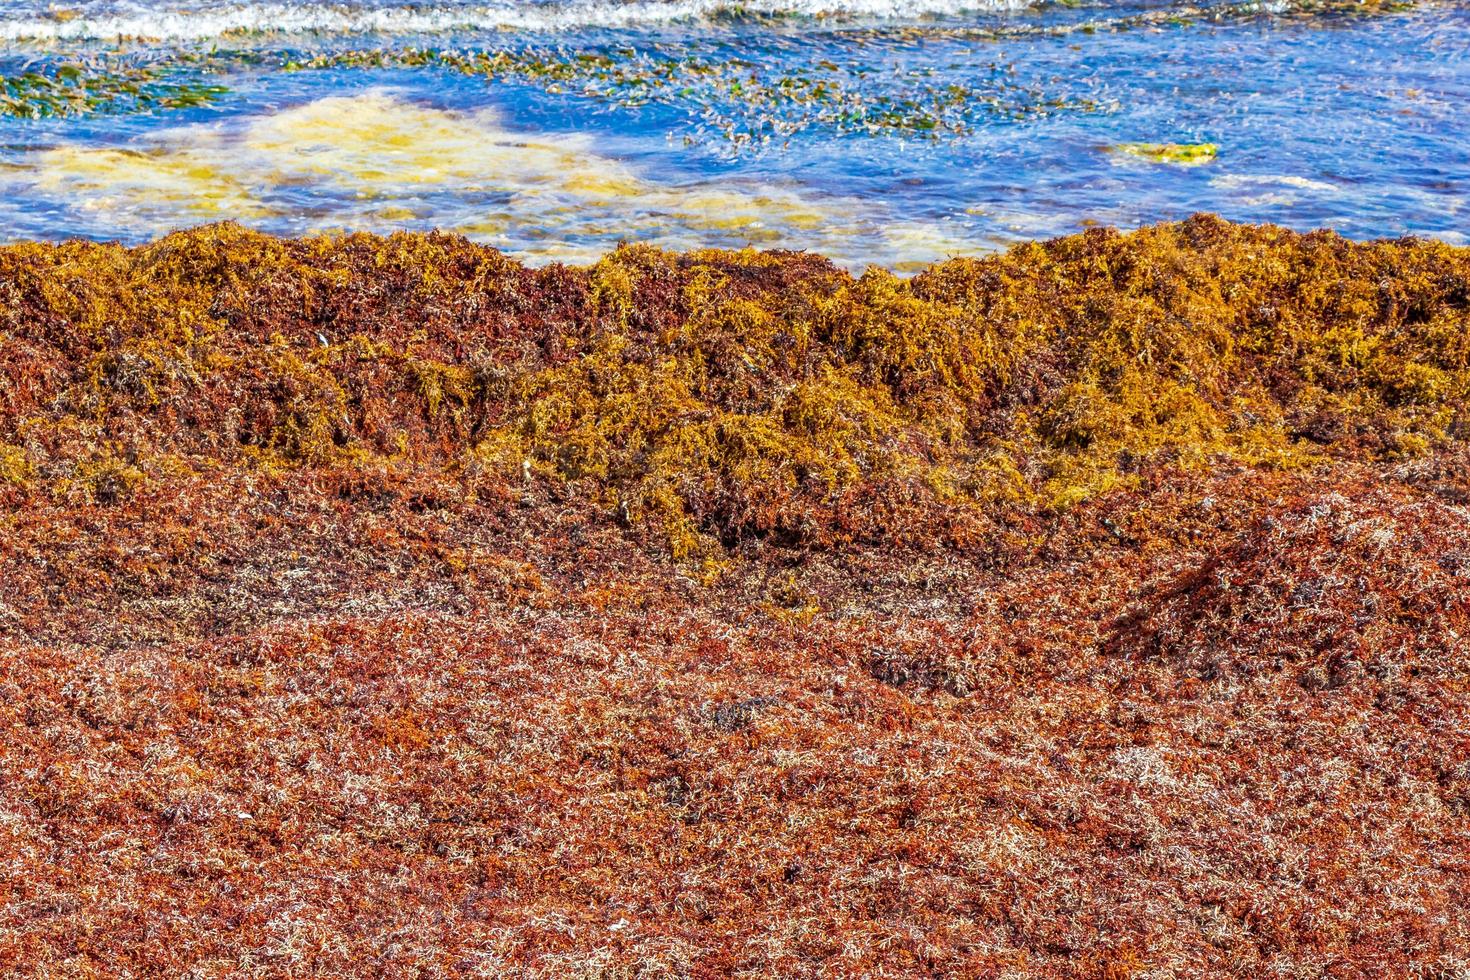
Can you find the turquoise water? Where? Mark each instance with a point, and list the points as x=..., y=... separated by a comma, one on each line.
x=875, y=131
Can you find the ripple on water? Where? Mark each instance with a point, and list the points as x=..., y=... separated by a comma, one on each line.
x=882, y=132
x=381, y=162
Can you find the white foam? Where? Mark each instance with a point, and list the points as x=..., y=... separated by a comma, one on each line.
x=1238, y=181
x=181, y=24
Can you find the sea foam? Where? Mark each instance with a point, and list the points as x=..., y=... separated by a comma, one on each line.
x=186, y=24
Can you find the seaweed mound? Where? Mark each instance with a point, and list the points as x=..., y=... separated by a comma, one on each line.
x=719, y=398
x=1100, y=608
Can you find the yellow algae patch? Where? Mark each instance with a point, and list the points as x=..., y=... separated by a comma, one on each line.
x=1186, y=154
x=375, y=161
x=15, y=468
x=382, y=145
x=185, y=184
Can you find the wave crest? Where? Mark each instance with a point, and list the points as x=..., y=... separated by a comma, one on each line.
x=292, y=18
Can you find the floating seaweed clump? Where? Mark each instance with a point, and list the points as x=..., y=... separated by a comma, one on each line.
x=1187, y=154
x=70, y=89
x=737, y=99
x=1097, y=608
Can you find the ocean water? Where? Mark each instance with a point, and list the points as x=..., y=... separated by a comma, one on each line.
x=875, y=131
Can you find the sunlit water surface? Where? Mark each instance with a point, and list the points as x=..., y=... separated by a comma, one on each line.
x=875, y=131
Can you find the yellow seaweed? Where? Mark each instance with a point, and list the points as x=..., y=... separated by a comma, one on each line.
x=1184, y=154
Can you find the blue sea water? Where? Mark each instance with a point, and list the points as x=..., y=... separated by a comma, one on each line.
x=876, y=131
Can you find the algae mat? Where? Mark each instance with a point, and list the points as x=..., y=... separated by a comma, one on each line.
x=384, y=605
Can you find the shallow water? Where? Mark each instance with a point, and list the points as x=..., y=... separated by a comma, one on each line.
x=875, y=131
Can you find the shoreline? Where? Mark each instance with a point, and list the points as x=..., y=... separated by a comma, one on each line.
x=592, y=256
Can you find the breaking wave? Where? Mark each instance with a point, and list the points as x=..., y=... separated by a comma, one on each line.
x=183, y=24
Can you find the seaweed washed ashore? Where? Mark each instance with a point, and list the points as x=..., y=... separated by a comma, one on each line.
x=1098, y=608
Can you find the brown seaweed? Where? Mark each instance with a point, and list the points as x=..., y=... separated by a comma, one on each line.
x=1098, y=608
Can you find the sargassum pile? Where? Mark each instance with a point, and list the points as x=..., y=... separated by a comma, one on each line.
x=383, y=607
